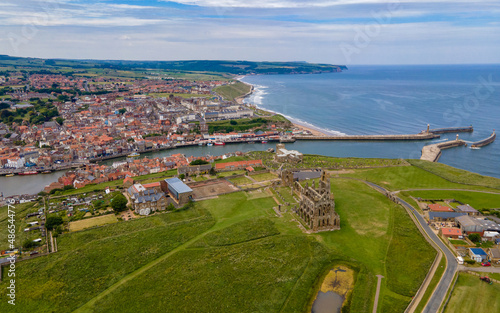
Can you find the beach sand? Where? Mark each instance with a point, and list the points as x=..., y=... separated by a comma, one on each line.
x=313, y=131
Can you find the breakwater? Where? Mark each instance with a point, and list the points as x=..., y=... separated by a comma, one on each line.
x=433, y=152
x=484, y=142
x=466, y=129
x=421, y=136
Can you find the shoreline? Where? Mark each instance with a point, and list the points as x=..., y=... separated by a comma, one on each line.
x=300, y=125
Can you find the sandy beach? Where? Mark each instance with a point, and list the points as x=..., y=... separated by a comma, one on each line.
x=313, y=131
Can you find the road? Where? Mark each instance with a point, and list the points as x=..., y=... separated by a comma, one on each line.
x=451, y=263
x=483, y=269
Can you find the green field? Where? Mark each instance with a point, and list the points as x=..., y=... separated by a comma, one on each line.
x=242, y=180
x=473, y=295
x=92, y=222
x=109, y=268
x=232, y=91
x=478, y=200
x=264, y=176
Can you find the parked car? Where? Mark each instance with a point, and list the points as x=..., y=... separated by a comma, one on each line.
x=486, y=264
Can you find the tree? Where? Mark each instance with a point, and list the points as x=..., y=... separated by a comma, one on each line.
x=199, y=162
x=53, y=221
x=122, y=111
x=60, y=120
x=233, y=122
x=119, y=203
x=212, y=171
x=475, y=237
x=182, y=176
x=28, y=244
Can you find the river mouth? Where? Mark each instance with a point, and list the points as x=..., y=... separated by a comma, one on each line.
x=336, y=287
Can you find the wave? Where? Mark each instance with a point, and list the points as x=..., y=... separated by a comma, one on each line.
x=257, y=99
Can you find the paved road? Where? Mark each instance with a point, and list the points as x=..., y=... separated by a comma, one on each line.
x=488, y=269
x=452, y=265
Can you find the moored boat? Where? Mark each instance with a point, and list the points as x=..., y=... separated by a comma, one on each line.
x=9, y=175
x=210, y=144
x=220, y=143
x=29, y=173
x=134, y=154
x=264, y=141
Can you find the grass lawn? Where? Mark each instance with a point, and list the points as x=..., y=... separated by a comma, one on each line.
x=92, y=222
x=264, y=176
x=406, y=177
x=459, y=242
x=477, y=200
x=230, y=254
x=457, y=175
x=242, y=180
x=473, y=295
x=232, y=91
x=230, y=173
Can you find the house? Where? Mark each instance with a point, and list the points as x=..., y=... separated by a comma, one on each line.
x=146, y=201
x=176, y=189
x=494, y=255
x=491, y=235
x=451, y=232
x=436, y=207
x=478, y=254
x=444, y=216
x=467, y=209
x=156, y=186
x=194, y=169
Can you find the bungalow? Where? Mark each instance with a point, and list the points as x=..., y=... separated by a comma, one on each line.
x=436, y=207
x=478, y=254
x=467, y=209
x=494, y=254
x=451, y=232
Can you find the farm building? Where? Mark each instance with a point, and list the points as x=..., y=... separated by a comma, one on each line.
x=478, y=254
x=467, y=209
x=469, y=224
x=179, y=191
x=444, y=216
x=451, y=232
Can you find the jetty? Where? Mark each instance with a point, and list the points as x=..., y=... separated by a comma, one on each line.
x=432, y=153
x=467, y=129
x=421, y=136
x=484, y=142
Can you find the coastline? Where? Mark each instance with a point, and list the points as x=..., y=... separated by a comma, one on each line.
x=297, y=124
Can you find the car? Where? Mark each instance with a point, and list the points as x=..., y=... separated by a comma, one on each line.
x=486, y=264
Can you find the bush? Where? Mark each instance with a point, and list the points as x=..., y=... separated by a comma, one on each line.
x=199, y=162
x=471, y=262
x=53, y=221
x=29, y=244
x=119, y=203
x=475, y=238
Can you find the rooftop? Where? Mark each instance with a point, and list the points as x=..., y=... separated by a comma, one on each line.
x=178, y=185
x=478, y=251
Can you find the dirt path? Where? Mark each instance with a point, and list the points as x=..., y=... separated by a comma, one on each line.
x=89, y=306
x=377, y=293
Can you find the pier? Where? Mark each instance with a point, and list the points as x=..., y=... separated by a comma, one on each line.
x=421, y=136
x=484, y=142
x=432, y=153
x=467, y=129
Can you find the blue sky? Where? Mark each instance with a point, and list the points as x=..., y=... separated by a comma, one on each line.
x=326, y=31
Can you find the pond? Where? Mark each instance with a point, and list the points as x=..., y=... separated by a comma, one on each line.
x=335, y=288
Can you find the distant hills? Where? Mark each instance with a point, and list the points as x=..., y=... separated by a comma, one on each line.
x=213, y=66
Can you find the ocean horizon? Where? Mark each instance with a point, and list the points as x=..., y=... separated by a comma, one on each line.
x=392, y=99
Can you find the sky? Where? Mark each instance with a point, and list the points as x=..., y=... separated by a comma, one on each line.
x=321, y=31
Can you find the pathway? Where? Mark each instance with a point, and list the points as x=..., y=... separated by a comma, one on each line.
x=377, y=293
x=88, y=307
x=439, y=293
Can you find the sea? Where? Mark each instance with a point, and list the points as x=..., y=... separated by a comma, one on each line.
x=365, y=100
x=378, y=100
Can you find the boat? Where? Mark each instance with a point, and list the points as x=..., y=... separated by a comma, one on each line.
x=264, y=141
x=220, y=143
x=200, y=144
x=46, y=172
x=29, y=173
x=475, y=148
x=134, y=154
x=210, y=144
x=251, y=142
x=9, y=175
